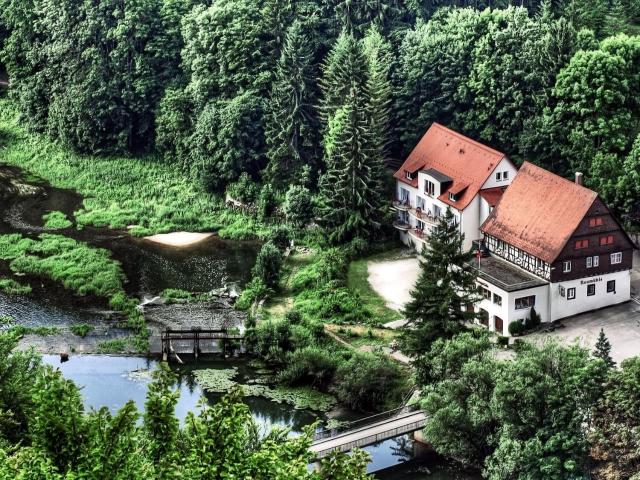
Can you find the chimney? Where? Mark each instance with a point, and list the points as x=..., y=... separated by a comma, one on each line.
x=579, y=178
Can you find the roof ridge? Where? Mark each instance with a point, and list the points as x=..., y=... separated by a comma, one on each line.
x=469, y=140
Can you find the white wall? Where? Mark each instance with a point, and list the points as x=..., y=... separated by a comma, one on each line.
x=470, y=222
x=507, y=311
x=563, y=307
x=504, y=165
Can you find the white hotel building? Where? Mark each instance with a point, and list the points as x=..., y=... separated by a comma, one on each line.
x=549, y=243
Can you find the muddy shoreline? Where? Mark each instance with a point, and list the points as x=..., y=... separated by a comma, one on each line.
x=149, y=268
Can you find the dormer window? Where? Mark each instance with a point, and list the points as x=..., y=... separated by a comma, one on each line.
x=429, y=188
x=498, y=176
x=452, y=197
x=505, y=175
x=408, y=175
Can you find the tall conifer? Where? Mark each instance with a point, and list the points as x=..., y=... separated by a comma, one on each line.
x=446, y=284
x=292, y=128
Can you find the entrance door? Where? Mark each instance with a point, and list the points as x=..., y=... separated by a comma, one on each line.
x=499, y=325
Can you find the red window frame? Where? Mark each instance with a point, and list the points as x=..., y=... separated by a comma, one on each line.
x=606, y=240
x=581, y=244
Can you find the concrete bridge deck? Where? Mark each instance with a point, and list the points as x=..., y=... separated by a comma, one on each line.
x=406, y=421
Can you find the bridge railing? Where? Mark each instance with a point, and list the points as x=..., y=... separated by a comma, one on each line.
x=363, y=422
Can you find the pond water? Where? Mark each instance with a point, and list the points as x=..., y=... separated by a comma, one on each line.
x=111, y=380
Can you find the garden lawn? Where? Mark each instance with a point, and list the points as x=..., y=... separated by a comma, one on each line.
x=147, y=194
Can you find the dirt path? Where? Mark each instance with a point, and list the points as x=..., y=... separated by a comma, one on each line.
x=393, y=280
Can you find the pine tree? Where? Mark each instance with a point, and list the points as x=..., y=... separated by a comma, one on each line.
x=445, y=285
x=351, y=188
x=292, y=128
x=603, y=350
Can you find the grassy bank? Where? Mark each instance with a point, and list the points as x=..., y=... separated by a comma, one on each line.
x=147, y=194
x=80, y=268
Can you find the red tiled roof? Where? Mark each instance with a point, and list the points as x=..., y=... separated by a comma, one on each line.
x=539, y=211
x=467, y=162
x=492, y=195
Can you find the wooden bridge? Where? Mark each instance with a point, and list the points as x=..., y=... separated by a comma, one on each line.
x=197, y=341
x=368, y=431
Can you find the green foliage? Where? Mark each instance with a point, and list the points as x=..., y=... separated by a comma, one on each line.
x=615, y=433
x=298, y=205
x=519, y=418
x=244, y=189
x=56, y=221
x=21, y=330
x=51, y=436
x=81, y=329
x=445, y=285
x=309, y=366
x=145, y=193
x=253, y=292
x=176, y=295
x=216, y=380
x=602, y=350
x=369, y=382
x=268, y=265
x=12, y=287
x=516, y=328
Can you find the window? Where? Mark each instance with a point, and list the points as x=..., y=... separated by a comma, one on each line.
x=407, y=175
x=593, y=261
x=497, y=299
x=571, y=293
x=419, y=203
x=606, y=240
x=483, y=316
x=437, y=211
x=566, y=266
x=420, y=225
x=429, y=188
x=452, y=197
x=498, y=176
x=611, y=286
x=616, y=258
x=486, y=294
x=581, y=244
x=591, y=290
x=505, y=175
x=595, y=221
x=561, y=290
x=525, y=302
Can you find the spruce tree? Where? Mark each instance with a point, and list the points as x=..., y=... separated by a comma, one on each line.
x=603, y=350
x=351, y=188
x=445, y=285
x=292, y=123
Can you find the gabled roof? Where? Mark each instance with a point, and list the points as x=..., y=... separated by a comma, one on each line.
x=463, y=160
x=539, y=212
x=492, y=195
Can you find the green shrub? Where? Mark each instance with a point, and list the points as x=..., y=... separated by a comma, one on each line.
x=329, y=265
x=56, y=221
x=175, y=295
x=516, y=328
x=244, y=190
x=534, y=319
x=253, y=291
x=281, y=237
x=332, y=305
x=81, y=329
x=267, y=202
x=298, y=205
x=369, y=382
x=309, y=366
x=268, y=265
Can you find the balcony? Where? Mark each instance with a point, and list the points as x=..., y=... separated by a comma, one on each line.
x=423, y=216
x=402, y=226
x=401, y=205
x=419, y=235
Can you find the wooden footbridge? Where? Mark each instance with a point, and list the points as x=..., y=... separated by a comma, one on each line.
x=368, y=431
x=197, y=341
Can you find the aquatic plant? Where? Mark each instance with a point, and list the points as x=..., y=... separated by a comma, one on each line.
x=216, y=380
x=11, y=287
x=301, y=398
x=56, y=221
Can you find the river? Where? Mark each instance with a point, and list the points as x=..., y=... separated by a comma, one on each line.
x=112, y=380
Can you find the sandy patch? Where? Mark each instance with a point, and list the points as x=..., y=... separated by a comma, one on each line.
x=179, y=239
x=393, y=280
